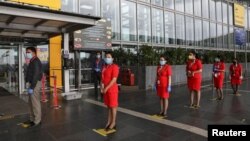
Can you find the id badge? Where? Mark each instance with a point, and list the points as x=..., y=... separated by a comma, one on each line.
x=158, y=82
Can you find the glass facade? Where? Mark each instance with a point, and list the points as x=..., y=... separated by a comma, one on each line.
x=177, y=23
x=88, y=7
x=144, y=23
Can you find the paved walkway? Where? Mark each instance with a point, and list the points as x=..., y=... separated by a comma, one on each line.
x=76, y=119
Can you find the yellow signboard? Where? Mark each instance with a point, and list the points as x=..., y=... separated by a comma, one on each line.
x=51, y=4
x=239, y=15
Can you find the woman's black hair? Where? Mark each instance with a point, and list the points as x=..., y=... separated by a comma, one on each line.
x=109, y=53
x=195, y=54
x=165, y=57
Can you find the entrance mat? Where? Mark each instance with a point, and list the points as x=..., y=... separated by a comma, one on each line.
x=103, y=132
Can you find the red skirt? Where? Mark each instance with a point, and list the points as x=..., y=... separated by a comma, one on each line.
x=194, y=84
x=218, y=82
x=111, y=99
x=162, y=92
x=236, y=81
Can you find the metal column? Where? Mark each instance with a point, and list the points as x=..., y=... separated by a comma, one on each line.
x=66, y=72
x=21, y=80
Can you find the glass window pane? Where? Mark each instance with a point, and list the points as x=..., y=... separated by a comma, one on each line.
x=144, y=23
x=189, y=6
x=180, y=30
x=189, y=31
x=169, y=4
x=110, y=10
x=157, y=2
x=197, y=8
x=219, y=36
x=88, y=7
x=230, y=14
x=148, y=1
x=225, y=36
x=225, y=17
x=218, y=11
x=128, y=21
x=212, y=10
x=245, y=17
x=206, y=33
x=249, y=17
x=69, y=5
x=212, y=34
x=198, y=32
x=205, y=13
x=157, y=26
x=169, y=28
x=231, y=37
x=179, y=5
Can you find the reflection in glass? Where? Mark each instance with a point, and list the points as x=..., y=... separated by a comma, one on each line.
x=206, y=33
x=249, y=17
x=128, y=21
x=231, y=37
x=225, y=37
x=212, y=10
x=230, y=14
x=189, y=6
x=197, y=8
x=189, y=31
x=110, y=10
x=169, y=28
x=148, y=1
x=157, y=26
x=169, y=4
x=224, y=12
x=198, y=32
x=179, y=5
x=218, y=11
x=219, y=36
x=157, y=2
x=212, y=34
x=69, y=5
x=144, y=23
x=180, y=29
x=88, y=7
x=205, y=12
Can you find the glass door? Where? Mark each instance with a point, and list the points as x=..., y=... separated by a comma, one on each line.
x=9, y=68
x=86, y=61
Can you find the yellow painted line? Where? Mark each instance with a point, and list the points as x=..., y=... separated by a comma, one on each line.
x=182, y=126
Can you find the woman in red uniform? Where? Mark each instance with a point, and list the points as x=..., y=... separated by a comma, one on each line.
x=235, y=75
x=193, y=71
x=163, y=84
x=109, y=89
x=218, y=76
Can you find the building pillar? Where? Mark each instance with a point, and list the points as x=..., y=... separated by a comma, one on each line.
x=66, y=71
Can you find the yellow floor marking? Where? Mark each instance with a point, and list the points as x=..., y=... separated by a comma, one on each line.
x=157, y=117
x=103, y=132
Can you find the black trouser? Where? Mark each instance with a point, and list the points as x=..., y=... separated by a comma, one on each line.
x=97, y=81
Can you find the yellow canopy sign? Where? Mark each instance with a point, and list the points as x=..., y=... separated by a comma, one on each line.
x=51, y=4
x=239, y=15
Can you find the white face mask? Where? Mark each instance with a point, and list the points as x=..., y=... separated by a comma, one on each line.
x=190, y=57
x=29, y=55
x=162, y=62
x=217, y=60
x=108, y=61
x=98, y=56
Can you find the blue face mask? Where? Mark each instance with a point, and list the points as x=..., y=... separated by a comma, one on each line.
x=162, y=63
x=108, y=61
x=29, y=55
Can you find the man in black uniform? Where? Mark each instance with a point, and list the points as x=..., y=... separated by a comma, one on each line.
x=97, y=70
x=33, y=81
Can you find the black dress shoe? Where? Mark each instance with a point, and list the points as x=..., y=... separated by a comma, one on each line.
x=35, y=125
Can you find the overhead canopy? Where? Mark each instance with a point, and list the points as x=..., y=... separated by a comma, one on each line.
x=35, y=22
